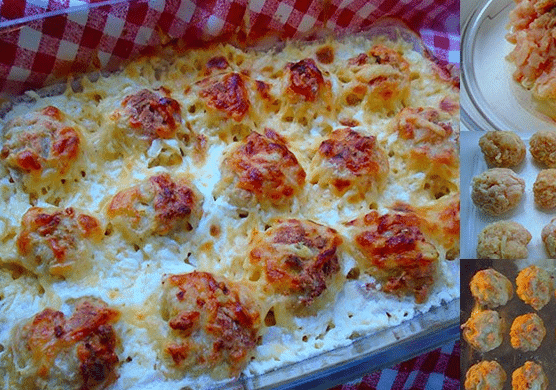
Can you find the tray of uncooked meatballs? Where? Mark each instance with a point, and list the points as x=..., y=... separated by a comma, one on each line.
x=508, y=327
x=508, y=195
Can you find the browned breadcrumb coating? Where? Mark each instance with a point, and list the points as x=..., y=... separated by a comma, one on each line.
x=159, y=205
x=542, y=146
x=485, y=375
x=349, y=160
x=497, y=190
x=548, y=236
x=483, y=330
x=544, y=189
x=502, y=149
x=298, y=258
x=261, y=167
x=503, y=240
x=529, y=376
x=215, y=325
x=53, y=351
x=490, y=288
x=527, y=332
x=534, y=286
x=55, y=240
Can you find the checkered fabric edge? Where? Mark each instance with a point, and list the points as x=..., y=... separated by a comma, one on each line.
x=438, y=369
x=42, y=41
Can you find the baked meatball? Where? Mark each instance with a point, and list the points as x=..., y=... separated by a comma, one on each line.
x=490, y=288
x=483, y=330
x=497, y=190
x=261, y=168
x=305, y=80
x=503, y=240
x=534, y=286
x=349, y=161
x=485, y=375
x=529, y=376
x=502, y=149
x=298, y=258
x=159, y=205
x=227, y=94
x=393, y=248
x=544, y=189
x=57, y=241
x=527, y=332
x=548, y=236
x=52, y=351
x=542, y=146
x=214, y=323
x=42, y=145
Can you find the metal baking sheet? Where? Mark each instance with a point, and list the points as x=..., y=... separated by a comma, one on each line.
x=509, y=358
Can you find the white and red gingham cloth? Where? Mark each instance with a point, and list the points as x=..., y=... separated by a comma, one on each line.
x=436, y=370
x=42, y=40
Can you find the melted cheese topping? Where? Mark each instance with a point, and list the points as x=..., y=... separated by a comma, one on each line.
x=195, y=164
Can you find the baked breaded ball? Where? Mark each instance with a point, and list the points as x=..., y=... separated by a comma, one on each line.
x=483, y=330
x=544, y=189
x=529, y=376
x=534, y=286
x=503, y=240
x=548, y=236
x=490, y=288
x=502, y=149
x=497, y=190
x=527, y=332
x=485, y=375
x=542, y=146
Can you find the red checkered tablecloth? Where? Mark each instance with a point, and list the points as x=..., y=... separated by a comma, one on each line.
x=436, y=370
x=41, y=41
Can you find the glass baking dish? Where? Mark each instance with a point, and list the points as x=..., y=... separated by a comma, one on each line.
x=384, y=348
x=490, y=98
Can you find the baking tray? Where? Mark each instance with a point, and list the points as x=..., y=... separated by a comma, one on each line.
x=527, y=214
x=490, y=98
x=424, y=332
x=509, y=358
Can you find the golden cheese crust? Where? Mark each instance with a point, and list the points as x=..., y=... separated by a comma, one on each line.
x=42, y=145
x=393, y=248
x=159, y=205
x=227, y=94
x=297, y=258
x=349, y=161
x=215, y=326
x=53, y=351
x=56, y=241
x=262, y=168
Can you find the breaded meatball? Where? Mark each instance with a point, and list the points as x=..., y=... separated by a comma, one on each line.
x=527, y=332
x=503, y=240
x=490, y=288
x=57, y=241
x=261, y=168
x=502, y=149
x=483, y=330
x=298, y=258
x=542, y=146
x=42, y=145
x=159, y=205
x=497, y=190
x=485, y=375
x=349, y=161
x=548, y=236
x=544, y=189
x=393, y=248
x=534, y=286
x=529, y=376
x=214, y=324
x=52, y=351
